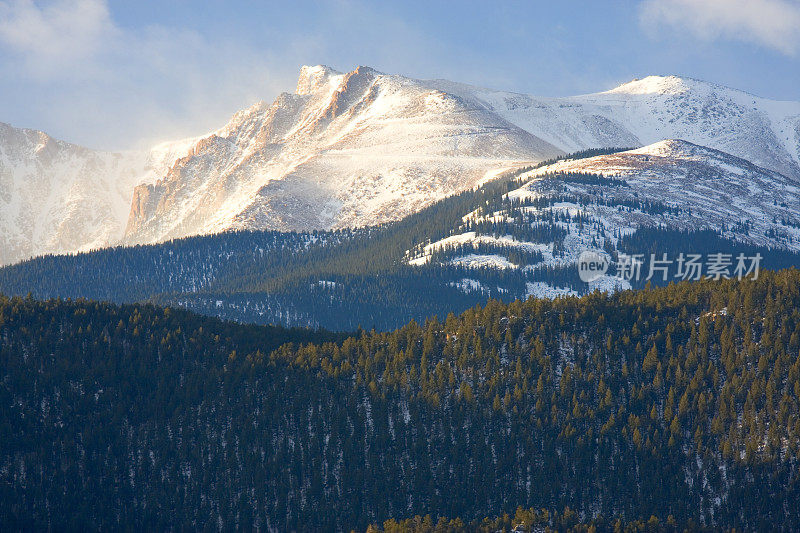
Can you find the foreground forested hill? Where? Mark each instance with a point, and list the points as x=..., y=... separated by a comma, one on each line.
x=678, y=402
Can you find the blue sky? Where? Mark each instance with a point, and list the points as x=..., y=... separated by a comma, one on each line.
x=120, y=74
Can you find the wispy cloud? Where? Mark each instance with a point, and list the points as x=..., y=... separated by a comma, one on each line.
x=771, y=23
x=53, y=40
x=121, y=86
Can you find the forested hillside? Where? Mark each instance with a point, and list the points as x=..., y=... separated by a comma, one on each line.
x=678, y=402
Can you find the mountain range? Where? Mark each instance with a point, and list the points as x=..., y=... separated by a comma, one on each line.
x=354, y=149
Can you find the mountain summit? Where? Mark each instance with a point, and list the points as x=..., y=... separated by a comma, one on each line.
x=648, y=110
x=344, y=150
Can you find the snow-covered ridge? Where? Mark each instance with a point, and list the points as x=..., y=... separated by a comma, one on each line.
x=673, y=184
x=344, y=150
x=642, y=112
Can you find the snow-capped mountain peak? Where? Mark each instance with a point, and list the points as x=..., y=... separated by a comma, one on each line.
x=344, y=150
x=654, y=108
x=356, y=148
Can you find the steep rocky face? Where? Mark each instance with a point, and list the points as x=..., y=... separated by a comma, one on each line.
x=345, y=150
